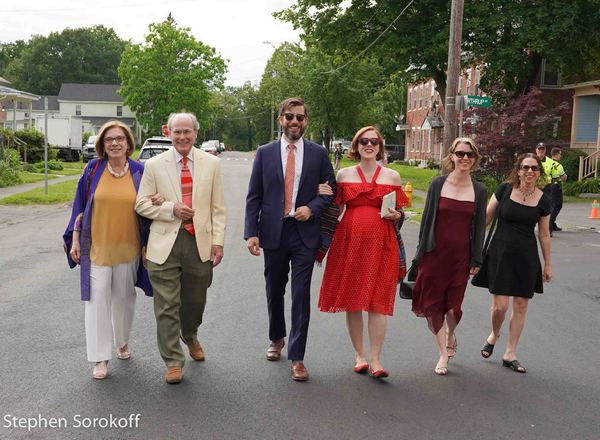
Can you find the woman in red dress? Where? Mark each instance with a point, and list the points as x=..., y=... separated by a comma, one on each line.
x=450, y=245
x=363, y=262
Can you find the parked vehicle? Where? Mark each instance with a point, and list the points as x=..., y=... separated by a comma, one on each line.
x=154, y=146
x=215, y=143
x=395, y=152
x=345, y=145
x=209, y=148
x=89, y=149
x=64, y=134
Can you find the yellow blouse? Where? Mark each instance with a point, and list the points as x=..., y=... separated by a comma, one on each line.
x=115, y=231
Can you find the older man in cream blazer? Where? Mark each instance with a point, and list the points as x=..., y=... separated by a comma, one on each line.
x=186, y=238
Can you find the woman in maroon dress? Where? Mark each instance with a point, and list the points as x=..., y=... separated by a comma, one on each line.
x=363, y=262
x=450, y=244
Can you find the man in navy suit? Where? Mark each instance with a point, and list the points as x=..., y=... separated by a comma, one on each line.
x=282, y=217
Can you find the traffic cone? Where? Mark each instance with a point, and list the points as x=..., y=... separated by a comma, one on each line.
x=594, y=214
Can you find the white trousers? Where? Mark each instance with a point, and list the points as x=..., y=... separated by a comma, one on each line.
x=109, y=312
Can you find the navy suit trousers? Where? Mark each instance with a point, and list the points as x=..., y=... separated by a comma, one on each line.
x=277, y=266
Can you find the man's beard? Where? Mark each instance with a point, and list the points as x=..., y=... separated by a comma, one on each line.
x=293, y=136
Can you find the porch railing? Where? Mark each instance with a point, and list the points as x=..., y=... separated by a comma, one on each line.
x=588, y=165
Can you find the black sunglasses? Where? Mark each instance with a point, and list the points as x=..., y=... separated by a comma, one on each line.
x=365, y=141
x=533, y=168
x=460, y=154
x=291, y=116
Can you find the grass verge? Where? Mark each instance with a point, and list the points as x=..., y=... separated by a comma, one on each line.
x=58, y=193
x=28, y=177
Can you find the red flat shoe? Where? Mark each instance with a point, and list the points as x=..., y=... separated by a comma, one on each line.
x=379, y=374
x=361, y=368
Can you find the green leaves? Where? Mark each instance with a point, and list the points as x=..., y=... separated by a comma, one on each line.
x=83, y=55
x=170, y=72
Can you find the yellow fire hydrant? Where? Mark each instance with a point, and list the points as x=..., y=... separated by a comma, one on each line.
x=408, y=190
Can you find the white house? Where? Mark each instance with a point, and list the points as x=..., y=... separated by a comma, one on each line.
x=94, y=104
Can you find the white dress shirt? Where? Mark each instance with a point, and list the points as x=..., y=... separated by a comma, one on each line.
x=298, y=156
x=179, y=161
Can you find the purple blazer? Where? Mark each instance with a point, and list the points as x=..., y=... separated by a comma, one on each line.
x=83, y=203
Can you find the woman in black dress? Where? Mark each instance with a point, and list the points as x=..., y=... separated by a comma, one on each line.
x=512, y=265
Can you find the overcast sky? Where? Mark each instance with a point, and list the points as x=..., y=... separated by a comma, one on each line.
x=235, y=28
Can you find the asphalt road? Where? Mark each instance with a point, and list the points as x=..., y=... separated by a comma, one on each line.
x=237, y=394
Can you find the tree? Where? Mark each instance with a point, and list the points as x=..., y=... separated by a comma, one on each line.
x=233, y=126
x=171, y=71
x=510, y=127
x=339, y=97
x=9, y=52
x=83, y=55
x=511, y=37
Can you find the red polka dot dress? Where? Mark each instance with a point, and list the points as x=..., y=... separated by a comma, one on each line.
x=362, y=266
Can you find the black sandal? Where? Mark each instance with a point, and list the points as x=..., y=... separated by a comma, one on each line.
x=487, y=350
x=514, y=365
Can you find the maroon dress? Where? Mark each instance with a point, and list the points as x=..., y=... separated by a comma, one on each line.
x=444, y=272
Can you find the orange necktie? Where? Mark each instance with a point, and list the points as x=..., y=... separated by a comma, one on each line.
x=186, y=193
x=290, y=174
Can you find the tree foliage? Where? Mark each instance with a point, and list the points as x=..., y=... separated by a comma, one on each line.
x=510, y=127
x=83, y=55
x=339, y=97
x=171, y=71
x=511, y=37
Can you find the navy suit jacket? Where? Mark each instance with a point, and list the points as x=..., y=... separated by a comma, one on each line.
x=264, y=203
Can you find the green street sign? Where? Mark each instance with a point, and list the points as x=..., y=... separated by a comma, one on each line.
x=479, y=101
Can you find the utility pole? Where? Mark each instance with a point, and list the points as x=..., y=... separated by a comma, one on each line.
x=456, y=21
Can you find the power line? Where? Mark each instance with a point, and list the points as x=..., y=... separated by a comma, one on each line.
x=242, y=117
x=373, y=42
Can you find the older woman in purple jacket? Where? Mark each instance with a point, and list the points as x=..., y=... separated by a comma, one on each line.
x=106, y=237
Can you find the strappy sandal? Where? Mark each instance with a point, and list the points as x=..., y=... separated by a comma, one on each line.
x=514, y=365
x=452, y=349
x=441, y=371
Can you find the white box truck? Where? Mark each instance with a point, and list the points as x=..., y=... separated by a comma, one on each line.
x=64, y=133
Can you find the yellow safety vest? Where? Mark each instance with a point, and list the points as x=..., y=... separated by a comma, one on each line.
x=547, y=164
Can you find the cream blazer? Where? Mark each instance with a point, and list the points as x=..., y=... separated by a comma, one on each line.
x=161, y=176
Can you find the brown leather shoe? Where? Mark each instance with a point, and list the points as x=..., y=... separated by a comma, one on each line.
x=274, y=350
x=299, y=372
x=196, y=351
x=174, y=375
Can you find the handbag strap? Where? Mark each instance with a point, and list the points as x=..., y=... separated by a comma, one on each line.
x=503, y=196
x=89, y=180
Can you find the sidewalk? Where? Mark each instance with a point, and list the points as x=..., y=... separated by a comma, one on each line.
x=9, y=191
x=574, y=216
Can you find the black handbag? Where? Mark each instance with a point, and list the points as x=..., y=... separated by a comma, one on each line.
x=407, y=285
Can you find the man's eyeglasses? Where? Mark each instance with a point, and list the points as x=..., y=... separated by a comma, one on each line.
x=291, y=116
x=185, y=132
x=533, y=168
x=365, y=141
x=109, y=140
x=462, y=154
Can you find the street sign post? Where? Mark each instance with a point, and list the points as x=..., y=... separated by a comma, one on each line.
x=479, y=101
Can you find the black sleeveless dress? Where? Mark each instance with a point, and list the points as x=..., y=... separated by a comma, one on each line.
x=512, y=263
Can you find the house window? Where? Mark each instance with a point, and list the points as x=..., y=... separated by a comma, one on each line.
x=550, y=75
x=421, y=96
x=429, y=141
x=415, y=92
x=588, y=111
x=78, y=110
x=460, y=82
x=408, y=101
x=119, y=110
x=469, y=74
